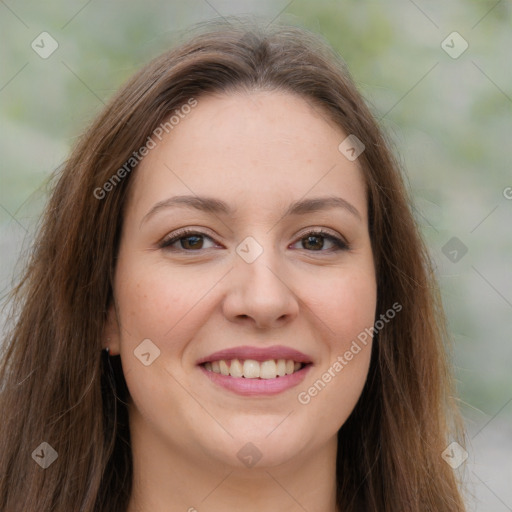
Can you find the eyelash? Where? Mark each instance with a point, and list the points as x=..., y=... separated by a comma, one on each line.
x=339, y=243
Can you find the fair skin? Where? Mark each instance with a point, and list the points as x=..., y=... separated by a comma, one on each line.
x=258, y=152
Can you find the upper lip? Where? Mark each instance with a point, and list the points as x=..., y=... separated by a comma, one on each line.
x=257, y=354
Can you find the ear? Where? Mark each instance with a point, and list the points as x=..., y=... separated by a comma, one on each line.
x=111, y=332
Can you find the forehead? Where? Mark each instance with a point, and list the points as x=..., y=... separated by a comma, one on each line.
x=252, y=149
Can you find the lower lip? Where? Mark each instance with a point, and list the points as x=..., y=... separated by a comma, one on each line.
x=257, y=387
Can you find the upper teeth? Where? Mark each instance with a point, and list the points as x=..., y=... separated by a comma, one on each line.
x=251, y=369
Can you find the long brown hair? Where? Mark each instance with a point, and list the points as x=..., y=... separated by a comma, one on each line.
x=56, y=385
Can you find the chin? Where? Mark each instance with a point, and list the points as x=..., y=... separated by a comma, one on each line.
x=265, y=447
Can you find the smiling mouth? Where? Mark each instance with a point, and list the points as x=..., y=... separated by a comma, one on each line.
x=252, y=369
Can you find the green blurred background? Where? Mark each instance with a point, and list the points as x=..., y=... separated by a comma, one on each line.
x=449, y=117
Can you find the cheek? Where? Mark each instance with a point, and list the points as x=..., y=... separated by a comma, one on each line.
x=153, y=300
x=154, y=305
x=329, y=396
x=346, y=305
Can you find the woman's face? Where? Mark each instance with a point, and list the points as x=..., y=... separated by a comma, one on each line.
x=255, y=290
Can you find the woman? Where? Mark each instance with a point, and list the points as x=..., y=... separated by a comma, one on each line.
x=235, y=235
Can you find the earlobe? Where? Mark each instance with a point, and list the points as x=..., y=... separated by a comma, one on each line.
x=111, y=332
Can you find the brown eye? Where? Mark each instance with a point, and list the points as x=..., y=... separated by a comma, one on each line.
x=190, y=241
x=315, y=241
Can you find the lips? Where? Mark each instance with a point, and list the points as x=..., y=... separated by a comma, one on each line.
x=256, y=371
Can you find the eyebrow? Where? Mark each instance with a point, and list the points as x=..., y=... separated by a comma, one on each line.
x=216, y=206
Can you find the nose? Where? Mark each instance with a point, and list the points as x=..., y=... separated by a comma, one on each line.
x=260, y=294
